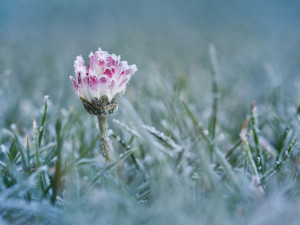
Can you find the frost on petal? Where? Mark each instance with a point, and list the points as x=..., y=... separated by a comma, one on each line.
x=113, y=60
x=86, y=87
x=85, y=81
x=123, y=83
x=106, y=75
x=123, y=75
x=79, y=62
x=93, y=82
x=100, y=57
x=90, y=67
x=79, y=68
x=126, y=70
x=133, y=69
x=93, y=86
x=123, y=65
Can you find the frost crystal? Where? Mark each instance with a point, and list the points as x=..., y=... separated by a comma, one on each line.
x=100, y=84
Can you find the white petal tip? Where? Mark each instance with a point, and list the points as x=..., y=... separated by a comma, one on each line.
x=91, y=54
x=134, y=68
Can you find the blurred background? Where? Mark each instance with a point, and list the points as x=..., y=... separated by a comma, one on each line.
x=257, y=44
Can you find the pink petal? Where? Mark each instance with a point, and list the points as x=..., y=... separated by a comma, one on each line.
x=114, y=74
x=79, y=77
x=100, y=57
x=112, y=60
x=113, y=70
x=79, y=68
x=112, y=84
x=93, y=82
x=101, y=63
x=91, y=62
x=78, y=62
x=75, y=85
x=86, y=81
x=123, y=83
x=108, y=72
x=124, y=74
x=103, y=79
x=128, y=72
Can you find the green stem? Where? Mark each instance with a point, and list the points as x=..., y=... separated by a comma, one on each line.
x=106, y=145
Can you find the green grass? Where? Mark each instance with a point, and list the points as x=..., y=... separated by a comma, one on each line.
x=177, y=172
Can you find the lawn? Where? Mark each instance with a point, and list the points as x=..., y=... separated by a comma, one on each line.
x=207, y=131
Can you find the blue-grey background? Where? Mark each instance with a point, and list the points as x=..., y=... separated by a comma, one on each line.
x=257, y=44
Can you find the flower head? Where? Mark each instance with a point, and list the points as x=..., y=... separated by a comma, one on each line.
x=100, y=84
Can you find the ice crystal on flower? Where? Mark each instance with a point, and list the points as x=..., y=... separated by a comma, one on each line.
x=100, y=84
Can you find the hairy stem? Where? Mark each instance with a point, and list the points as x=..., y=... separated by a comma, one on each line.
x=106, y=144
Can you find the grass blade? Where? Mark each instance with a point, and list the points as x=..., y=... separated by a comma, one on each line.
x=35, y=144
x=247, y=150
x=215, y=92
x=279, y=164
x=219, y=155
x=260, y=161
x=106, y=168
x=43, y=124
x=57, y=176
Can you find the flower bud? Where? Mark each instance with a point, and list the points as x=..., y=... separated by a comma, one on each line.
x=100, y=84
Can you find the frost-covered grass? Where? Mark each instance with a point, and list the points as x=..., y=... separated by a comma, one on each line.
x=202, y=135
